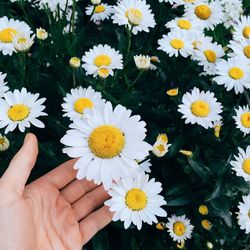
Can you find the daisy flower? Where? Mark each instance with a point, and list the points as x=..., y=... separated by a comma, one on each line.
x=175, y=43
x=207, y=14
x=136, y=14
x=233, y=74
x=136, y=200
x=243, y=214
x=217, y=128
x=3, y=87
x=200, y=107
x=4, y=143
x=23, y=41
x=79, y=99
x=20, y=109
x=199, y=39
x=242, y=119
x=142, y=62
x=101, y=61
x=179, y=228
x=208, y=55
x=241, y=165
x=242, y=29
x=9, y=28
x=100, y=12
x=108, y=143
x=240, y=49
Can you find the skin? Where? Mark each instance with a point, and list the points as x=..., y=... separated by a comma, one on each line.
x=55, y=212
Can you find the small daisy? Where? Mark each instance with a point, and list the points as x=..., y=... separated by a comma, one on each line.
x=8, y=29
x=179, y=228
x=134, y=13
x=102, y=60
x=108, y=143
x=208, y=55
x=23, y=41
x=99, y=12
x=240, y=49
x=79, y=99
x=200, y=107
x=176, y=43
x=3, y=87
x=142, y=62
x=136, y=200
x=233, y=74
x=242, y=29
x=241, y=165
x=20, y=109
x=207, y=14
x=4, y=143
x=244, y=214
x=217, y=128
x=242, y=119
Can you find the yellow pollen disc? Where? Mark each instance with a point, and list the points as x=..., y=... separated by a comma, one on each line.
x=160, y=148
x=177, y=44
x=245, y=119
x=200, y=108
x=136, y=199
x=99, y=9
x=6, y=35
x=203, y=11
x=184, y=24
x=203, y=210
x=246, y=166
x=163, y=138
x=134, y=15
x=81, y=104
x=103, y=72
x=249, y=213
x=173, y=92
x=106, y=141
x=236, y=73
x=2, y=141
x=22, y=40
x=102, y=60
x=210, y=55
x=246, y=51
x=206, y=224
x=246, y=32
x=18, y=112
x=179, y=228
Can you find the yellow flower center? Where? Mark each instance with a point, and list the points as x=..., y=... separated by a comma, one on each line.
x=103, y=72
x=246, y=166
x=106, y=141
x=2, y=141
x=163, y=138
x=136, y=199
x=177, y=44
x=245, y=119
x=179, y=228
x=100, y=8
x=6, y=35
x=200, y=108
x=236, y=73
x=203, y=11
x=134, y=16
x=206, y=224
x=160, y=148
x=22, y=40
x=246, y=32
x=246, y=51
x=184, y=24
x=203, y=210
x=81, y=104
x=102, y=60
x=249, y=213
x=173, y=92
x=18, y=112
x=210, y=55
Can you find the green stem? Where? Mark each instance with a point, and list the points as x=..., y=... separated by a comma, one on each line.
x=22, y=59
x=72, y=22
x=136, y=80
x=129, y=32
x=74, y=78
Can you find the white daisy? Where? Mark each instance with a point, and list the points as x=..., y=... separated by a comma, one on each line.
x=200, y=107
x=242, y=29
x=240, y=49
x=9, y=28
x=175, y=43
x=207, y=14
x=4, y=143
x=79, y=99
x=99, y=12
x=20, y=109
x=3, y=87
x=53, y=5
x=102, y=60
x=136, y=200
x=142, y=62
x=179, y=228
x=244, y=214
x=233, y=74
x=23, y=41
x=134, y=13
x=207, y=55
x=108, y=143
x=241, y=165
x=198, y=39
x=242, y=119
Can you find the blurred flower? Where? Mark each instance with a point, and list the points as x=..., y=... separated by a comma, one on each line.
x=210, y=245
x=203, y=209
x=75, y=62
x=180, y=245
x=244, y=214
x=142, y=62
x=242, y=29
x=206, y=224
x=173, y=92
x=96, y=2
x=186, y=153
x=162, y=138
x=20, y=109
x=161, y=226
x=200, y=107
x=102, y=60
x=4, y=143
x=217, y=128
x=242, y=119
x=23, y=41
x=161, y=146
x=41, y=34
x=108, y=142
x=179, y=228
x=99, y=12
x=136, y=200
x=3, y=87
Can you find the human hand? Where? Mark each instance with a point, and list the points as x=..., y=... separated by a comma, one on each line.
x=55, y=212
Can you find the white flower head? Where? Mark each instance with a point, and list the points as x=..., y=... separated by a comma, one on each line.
x=242, y=119
x=244, y=214
x=99, y=12
x=240, y=49
x=242, y=29
x=3, y=87
x=142, y=62
x=4, y=143
x=23, y=41
x=41, y=34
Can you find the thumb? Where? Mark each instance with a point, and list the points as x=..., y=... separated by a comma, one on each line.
x=21, y=165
